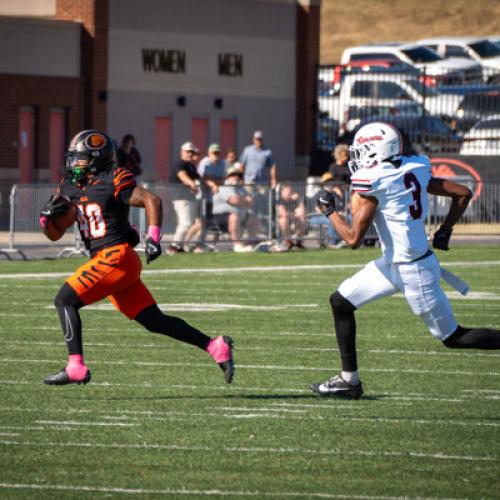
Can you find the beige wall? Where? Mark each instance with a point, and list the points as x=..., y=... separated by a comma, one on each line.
x=39, y=47
x=45, y=8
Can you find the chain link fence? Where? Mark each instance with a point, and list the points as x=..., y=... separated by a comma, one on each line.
x=453, y=113
x=261, y=218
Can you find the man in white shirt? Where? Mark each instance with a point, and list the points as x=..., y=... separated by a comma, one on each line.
x=391, y=191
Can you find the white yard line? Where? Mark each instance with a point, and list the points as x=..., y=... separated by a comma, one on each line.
x=248, y=412
x=260, y=367
x=238, y=449
x=74, y=422
x=224, y=270
x=213, y=492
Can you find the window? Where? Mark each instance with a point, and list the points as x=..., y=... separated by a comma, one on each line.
x=374, y=55
x=391, y=90
x=456, y=51
x=485, y=49
x=421, y=55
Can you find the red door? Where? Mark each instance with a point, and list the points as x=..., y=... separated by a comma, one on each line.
x=228, y=135
x=57, y=140
x=199, y=134
x=26, y=144
x=163, y=142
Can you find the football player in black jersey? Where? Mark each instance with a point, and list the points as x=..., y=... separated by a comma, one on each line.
x=103, y=193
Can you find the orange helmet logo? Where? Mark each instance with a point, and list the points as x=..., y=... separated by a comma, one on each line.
x=95, y=141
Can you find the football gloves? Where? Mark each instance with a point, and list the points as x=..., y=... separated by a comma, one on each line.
x=153, y=250
x=441, y=239
x=325, y=201
x=57, y=205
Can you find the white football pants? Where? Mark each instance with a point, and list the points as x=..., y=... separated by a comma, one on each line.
x=419, y=281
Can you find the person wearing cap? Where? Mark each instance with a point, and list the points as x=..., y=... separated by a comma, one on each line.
x=232, y=209
x=186, y=180
x=212, y=170
x=258, y=164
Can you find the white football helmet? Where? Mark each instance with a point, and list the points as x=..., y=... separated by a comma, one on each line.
x=373, y=144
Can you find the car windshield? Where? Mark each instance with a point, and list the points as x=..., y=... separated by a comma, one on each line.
x=485, y=49
x=421, y=55
x=421, y=88
x=487, y=124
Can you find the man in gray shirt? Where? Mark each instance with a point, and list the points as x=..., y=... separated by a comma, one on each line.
x=258, y=163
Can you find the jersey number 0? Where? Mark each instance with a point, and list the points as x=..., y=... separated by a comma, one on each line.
x=412, y=182
x=91, y=221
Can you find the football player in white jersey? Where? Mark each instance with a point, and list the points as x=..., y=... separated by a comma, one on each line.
x=392, y=192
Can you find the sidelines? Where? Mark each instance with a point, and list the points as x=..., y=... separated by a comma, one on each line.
x=260, y=367
x=236, y=449
x=223, y=270
x=140, y=491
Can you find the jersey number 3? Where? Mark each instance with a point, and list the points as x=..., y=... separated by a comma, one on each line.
x=91, y=221
x=412, y=182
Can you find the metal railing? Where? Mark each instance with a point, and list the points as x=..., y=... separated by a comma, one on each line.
x=286, y=215
x=458, y=112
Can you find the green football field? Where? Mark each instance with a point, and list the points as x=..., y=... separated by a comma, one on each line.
x=157, y=419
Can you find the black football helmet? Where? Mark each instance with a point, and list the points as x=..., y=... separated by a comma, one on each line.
x=96, y=148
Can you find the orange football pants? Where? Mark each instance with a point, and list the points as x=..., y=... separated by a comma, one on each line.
x=114, y=272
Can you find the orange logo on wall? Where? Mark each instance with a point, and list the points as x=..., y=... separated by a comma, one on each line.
x=450, y=167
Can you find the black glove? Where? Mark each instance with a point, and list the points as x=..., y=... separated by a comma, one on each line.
x=57, y=205
x=441, y=239
x=325, y=201
x=153, y=250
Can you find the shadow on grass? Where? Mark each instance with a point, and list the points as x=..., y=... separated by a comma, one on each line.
x=255, y=397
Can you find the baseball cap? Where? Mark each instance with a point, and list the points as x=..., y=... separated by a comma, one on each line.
x=258, y=134
x=188, y=146
x=236, y=170
x=326, y=177
x=214, y=148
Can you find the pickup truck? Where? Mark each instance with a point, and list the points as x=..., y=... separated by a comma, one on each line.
x=387, y=90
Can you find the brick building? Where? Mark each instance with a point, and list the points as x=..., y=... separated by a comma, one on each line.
x=164, y=70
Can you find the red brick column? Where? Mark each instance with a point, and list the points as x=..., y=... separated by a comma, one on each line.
x=307, y=59
x=93, y=15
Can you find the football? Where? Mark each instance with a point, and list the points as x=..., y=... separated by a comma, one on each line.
x=65, y=221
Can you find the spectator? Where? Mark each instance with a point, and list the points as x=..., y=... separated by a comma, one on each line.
x=231, y=206
x=128, y=156
x=291, y=218
x=329, y=183
x=339, y=168
x=231, y=160
x=187, y=179
x=258, y=164
x=212, y=171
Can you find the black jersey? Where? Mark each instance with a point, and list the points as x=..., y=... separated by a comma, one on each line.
x=103, y=208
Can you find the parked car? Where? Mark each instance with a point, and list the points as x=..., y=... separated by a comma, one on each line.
x=331, y=77
x=483, y=138
x=448, y=71
x=477, y=106
x=480, y=50
x=387, y=90
x=427, y=134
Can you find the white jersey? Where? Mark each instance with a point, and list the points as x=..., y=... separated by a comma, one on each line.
x=403, y=205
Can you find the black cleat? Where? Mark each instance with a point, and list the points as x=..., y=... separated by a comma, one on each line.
x=62, y=378
x=228, y=366
x=338, y=387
